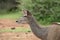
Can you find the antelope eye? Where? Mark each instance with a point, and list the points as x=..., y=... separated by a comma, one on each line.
x=16, y=21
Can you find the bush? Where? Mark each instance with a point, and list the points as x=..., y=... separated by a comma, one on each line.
x=45, y=11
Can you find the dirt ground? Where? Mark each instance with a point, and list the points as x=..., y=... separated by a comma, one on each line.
x=9, y=23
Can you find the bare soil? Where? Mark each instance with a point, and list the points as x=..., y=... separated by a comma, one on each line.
x=9, y=23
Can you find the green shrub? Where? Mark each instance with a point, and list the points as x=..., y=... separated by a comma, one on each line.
x=45, y=11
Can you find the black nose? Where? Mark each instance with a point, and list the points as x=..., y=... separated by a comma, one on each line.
x=16, y=21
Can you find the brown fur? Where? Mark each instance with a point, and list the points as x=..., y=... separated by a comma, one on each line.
x=53, y=33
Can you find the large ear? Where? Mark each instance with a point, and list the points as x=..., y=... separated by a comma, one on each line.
x=26, y=13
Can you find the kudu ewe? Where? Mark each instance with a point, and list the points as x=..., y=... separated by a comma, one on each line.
x=44, y=33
